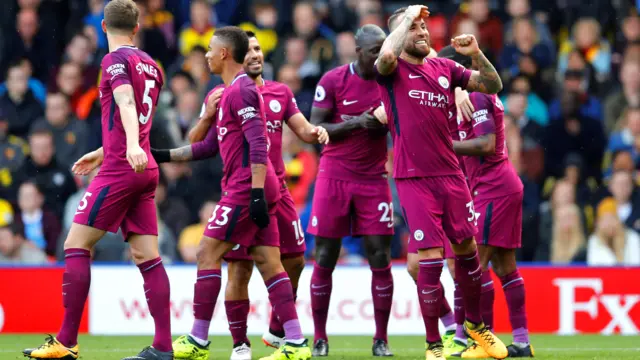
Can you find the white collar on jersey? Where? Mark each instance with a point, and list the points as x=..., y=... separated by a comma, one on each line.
x=238, y=77
x=352, y=69
x=126, y=46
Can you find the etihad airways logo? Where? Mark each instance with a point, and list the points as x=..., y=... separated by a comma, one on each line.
x=430, y=99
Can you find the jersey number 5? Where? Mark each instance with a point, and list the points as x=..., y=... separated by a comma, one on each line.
x=146, y=100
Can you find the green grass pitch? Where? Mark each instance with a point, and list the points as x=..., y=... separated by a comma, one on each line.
x=343, y=347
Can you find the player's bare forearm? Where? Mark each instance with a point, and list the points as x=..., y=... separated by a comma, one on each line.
x=302, y=128
x=322, y=117
x=392, y=48
x=484, y=145
x=199, y=131
x=258, y=175
x=124, y=98
x=181, y=154
x=485, y=79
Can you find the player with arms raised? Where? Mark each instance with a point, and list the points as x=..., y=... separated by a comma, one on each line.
x=245, y=214
x=281, y=108
x=497, y=196
x=122, y=194
x=417, y=94
x=352, y=195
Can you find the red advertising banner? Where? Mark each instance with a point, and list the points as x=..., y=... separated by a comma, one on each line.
x=31, y=301
x=571, y=300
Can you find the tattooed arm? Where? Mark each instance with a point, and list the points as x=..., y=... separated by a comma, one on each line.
x=393, y=45
x=486, y=79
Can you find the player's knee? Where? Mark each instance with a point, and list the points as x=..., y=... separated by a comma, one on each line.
x=207, y=256
x=327, y=253
x=294, y=266
x=412, y=269
x=240, y=274
x=467, y=246
x=379, y=258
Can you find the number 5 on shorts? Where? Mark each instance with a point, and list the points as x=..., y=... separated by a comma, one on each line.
x=84, y=202
x=473, y=215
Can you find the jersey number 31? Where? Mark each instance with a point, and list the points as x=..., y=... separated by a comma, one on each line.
x=146, y=100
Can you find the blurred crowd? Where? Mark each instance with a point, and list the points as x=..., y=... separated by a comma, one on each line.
x=571, y=71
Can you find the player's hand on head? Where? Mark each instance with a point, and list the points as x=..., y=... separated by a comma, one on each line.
x=137, y=158
x=258, y=208
x=87, y=163
x=464, y=105
x=465, y=44
x=322, y=135
x=414, y=12
x=381, y=115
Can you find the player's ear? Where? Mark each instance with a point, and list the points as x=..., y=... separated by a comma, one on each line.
x=104, y=26
x=135, y=29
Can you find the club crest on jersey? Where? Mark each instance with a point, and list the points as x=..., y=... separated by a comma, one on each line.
x=314, y=221
x=418, y=235
x=444, y=82
x=320, y=93
x=222, y=131
x=275, y=106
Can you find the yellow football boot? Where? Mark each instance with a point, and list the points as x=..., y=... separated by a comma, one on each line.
x=474, y=351
x=52, y=349
x=290, y=351
x=494, y=347
x=435, y=351
x=185, y=348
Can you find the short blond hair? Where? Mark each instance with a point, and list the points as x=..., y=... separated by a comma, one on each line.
x=121, y=15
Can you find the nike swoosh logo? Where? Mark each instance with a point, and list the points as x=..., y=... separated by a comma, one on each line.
x=319, y=286
x=474, y=271
x=383, y=288
x=73, y=352
x=345, y=102
x=213, y=227
x=301, y=241
x=390, y=225
x=429, y=292
x=411, y=76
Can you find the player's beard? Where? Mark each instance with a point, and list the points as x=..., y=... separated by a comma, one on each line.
x=416, y=52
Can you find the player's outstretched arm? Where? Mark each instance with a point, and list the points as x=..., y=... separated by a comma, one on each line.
x=200, y=150
x=394, y=43
x=485, y=79
x=484, y=145
x=307, y=132
x=123, y=95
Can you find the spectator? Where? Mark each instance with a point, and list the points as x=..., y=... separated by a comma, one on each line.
x=69, y=134
x=526, y=55
x=200, y=30
x=289, y=76
x=191, y=235
x=265, y=20
x=180, y=82
x=20, y=105
x=152, y=40
x=196, y=65
x=346, y=48
x=522, y=9
x=69, y=82
x=532, y=132
x=15, y=249
x=159, y=18
x=576, y=79
x=628, y=95
x=94, y=20
x=296, y=55
x=184, y=116
x=317, y=37
x=177, y=177
x=41, y=226
x=575, y=133
x=612, y=243
x=55, y=181
x=29, y=41
x=536, y=109
x=80, y=52
x=173, y=210
x=489, y=25
x=587, y=38
x=627, y=200
x=13, y=150
x=568, y=234
x=630, y=34
x=628, y=137
x=35, y=85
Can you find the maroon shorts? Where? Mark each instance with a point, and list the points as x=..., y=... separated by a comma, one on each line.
x=291, y=234
x=232, y=223
x=500, y=221
x=448, y=250
x=437, y=209
x=122, y=200
x=343, y=208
